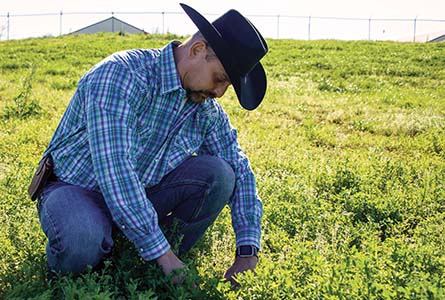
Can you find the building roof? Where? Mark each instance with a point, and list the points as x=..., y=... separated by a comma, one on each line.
x=440, y=38
x=423, y=37
x=111, y=24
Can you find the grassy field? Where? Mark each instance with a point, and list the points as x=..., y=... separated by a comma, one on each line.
x=349, y=153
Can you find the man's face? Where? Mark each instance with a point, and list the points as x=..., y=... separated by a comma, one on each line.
x=206, y=79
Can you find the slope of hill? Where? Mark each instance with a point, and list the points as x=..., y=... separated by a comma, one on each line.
x=349, y=153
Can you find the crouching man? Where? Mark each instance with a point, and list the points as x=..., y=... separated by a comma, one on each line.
x=143, y=142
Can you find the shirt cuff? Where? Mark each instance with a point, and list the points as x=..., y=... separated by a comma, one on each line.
x=248, y=235
x=154, y=246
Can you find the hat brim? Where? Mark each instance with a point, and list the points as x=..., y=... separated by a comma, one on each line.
x=250, y=88
x=253, y=88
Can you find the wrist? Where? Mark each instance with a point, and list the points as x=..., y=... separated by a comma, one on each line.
x=165, y=258
x=246, y=263
x=249, y=259
x=169, y=262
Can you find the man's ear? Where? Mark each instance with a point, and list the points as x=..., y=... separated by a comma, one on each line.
x=197, y=49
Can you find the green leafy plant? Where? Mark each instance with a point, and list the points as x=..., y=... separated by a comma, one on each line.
x=24, y=105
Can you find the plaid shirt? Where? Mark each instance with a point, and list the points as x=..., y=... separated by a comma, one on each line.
x=124, y=129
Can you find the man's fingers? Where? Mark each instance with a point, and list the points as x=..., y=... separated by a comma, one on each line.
x=229, y=276
x=179, y=279
x=241, y=265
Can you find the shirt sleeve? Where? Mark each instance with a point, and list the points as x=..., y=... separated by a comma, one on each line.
x=245, y=204
x=110, y=125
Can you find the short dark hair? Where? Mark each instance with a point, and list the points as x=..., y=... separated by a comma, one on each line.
x=210, y=53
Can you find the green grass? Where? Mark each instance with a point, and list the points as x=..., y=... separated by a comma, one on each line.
x=349, y=153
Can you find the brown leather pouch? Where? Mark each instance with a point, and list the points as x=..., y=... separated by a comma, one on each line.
x=44, y=170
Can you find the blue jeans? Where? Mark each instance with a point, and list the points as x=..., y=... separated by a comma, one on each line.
x=79, y=226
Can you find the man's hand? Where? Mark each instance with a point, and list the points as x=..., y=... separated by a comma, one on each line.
x=170, y=262
x=240, y=265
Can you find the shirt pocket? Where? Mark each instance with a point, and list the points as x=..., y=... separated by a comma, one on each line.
x=145, y=131
x=188, y=144
x=184, y=145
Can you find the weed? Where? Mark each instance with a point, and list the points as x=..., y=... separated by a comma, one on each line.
x=24, y=105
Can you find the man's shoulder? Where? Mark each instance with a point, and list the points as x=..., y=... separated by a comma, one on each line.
x=134, y=58
x=137, y=62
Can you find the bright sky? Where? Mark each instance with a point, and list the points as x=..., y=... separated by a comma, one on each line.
x=270, y=26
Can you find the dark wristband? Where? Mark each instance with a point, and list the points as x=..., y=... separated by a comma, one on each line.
x=246, y=251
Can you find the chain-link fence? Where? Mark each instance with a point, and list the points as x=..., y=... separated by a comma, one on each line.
x=17, y=26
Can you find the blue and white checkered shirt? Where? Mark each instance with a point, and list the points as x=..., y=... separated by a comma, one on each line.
x=124, y=130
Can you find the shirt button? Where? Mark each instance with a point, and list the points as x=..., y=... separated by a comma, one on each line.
x=123, y=227
x=141, y=249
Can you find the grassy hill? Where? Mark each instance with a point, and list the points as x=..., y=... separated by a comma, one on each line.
x=349, y=153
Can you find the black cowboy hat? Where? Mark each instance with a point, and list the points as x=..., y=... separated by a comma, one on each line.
x=239, y=46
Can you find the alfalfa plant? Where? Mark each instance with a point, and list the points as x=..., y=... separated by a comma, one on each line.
x=24, y=105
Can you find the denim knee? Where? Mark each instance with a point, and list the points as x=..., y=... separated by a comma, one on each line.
x=78, y=235
x=221, y=179
x=79, y=249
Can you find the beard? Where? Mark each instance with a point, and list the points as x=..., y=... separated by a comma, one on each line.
x=199, y=96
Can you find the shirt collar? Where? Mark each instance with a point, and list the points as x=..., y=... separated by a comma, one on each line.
x=170, y=79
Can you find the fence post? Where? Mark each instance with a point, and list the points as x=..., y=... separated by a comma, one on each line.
x=112, y=21
x=8, y=27
x=163, y=22
x=61, y=13
x=309, y=28
x=369, y=29
x=278, y=26
x=415, y=24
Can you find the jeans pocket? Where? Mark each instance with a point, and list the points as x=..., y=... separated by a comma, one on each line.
x=41, y=201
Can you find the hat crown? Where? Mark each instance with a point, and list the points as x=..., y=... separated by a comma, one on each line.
x=244, y=40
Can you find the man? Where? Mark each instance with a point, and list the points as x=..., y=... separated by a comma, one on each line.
x=143, y=142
